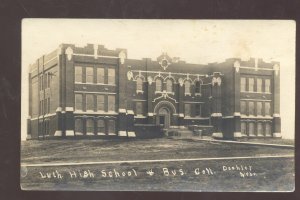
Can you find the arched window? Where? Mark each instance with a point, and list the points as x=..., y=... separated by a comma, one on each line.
x=78, y=127
x=139, y=84
x=187, y=85
x=198, y=87
x=169, y=85
x=158, y=85
x=100, y=127
x=90, y=127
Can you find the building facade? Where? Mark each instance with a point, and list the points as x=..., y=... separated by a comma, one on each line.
x=94, y=91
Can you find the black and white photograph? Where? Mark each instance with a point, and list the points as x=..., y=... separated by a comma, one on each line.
x=158, y=105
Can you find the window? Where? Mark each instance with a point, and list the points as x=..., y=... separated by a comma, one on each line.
x=267, y=108
x=259, y=85
x=268, y=129
x=49, y=79
x=111, y=127
x=139, y=84
x=100, y=103
x=139, y=108
x=100, y=75
x=243, y=107
x=41, y=82
x=48, y=105
x=78, y=101
x=243, y=84
x=243, y=128
x=111, y=103
x=78, y=127
x=187, y=109
x=169, y=86
x=89, y=102
x=41, y=107
x=100, y=127
x=259, y=108
x=45, y=106
x=267, y=85
x=187, y=87
x=78, y=74
x=45, y=80
x=111, y=76
x=251, y=84
x=198, y=110
x=89, y=75
x=158, y=85
x=90, y=127
x=34, y=97
x=251, y=108
x=259, y=128
x=198, y=87
x=251, y=129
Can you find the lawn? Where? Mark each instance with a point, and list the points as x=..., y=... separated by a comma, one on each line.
x=259, y=174
x=106, y=150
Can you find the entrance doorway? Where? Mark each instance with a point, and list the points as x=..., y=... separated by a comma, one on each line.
x=163, y=117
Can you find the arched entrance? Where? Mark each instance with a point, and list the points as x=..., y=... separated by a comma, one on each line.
x=164, y=111
x=163, y=117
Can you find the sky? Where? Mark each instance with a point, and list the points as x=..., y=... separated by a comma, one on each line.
x=194, y=41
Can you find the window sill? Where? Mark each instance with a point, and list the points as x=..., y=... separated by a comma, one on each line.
x=164, y=92
x=97, y=112
x=187, y=94
x=140, y=91
x=198, y=94
x=104, y=84
x=140, y=116
x=252, y=92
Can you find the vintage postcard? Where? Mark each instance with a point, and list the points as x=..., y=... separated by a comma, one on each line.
x=158, y=105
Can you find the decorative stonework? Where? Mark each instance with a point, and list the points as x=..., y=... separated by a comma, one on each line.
x=216, y=80
x=122, y=133
x=164, y=63
x=217, y=135
x=276, y=69
x=180, y=80
x=122, y=56
x=150, y=80
x=237, y=134
x=237, y=66
x=129, y=75
x=69, y=53
x=95, y=51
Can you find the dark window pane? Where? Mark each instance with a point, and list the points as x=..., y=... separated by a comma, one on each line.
x=111, y=103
